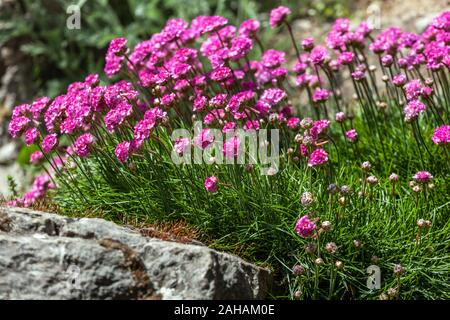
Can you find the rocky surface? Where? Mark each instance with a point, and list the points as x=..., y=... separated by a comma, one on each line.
x=47, y=256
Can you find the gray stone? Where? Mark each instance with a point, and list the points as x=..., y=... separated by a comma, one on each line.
x=8, y=152
x=48, y=256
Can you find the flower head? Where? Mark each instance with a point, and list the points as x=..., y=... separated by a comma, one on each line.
x=82, y=145
x=31, y=136
x=36, y=157
x=422, y=176
x=305, y=227
x=211, y=184
x=49, y=142
x=181, y=145
x=352, y=135
x=122, y=151
x=318, y=157
x=278, y=15
x=441, y=135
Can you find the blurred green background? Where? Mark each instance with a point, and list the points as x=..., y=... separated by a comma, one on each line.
x=60, y=56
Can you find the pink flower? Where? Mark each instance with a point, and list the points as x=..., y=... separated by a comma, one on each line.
x=346, y=57
x=49, y=142
x=278, y=15
x=413, y=109
x=181, y=145
x=115, y=56
x=340, y=117
x=273, y=96
x=220, y=74
x=18, y=125
x=231, y=147
x=240, y=47
x=352, y=135
x=211, y=184
x=422, y=176
x=251, y=125
x=31, y=136
x=36, y=157
x=122, y=151
x=308, y=44
x=321, y=95
x=38, y=106
x=399, y=80
x=319, y=127
x=82, y=145
x=229, y=126
x=199, y=103
x=318, y=55
x=441, y=135
x=205, y=24
x=273, y=58
x=249, y=27
x=204, y=139
x=293, y=122
x=318, y=157
x=305, y=227
x=118, y=46
x=387, y=60
x=413, y=89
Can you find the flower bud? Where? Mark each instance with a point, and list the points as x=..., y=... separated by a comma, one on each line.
x=398, y=269
x=331, y=247
x=372, y=180
x=298, y=270
x=326, y=225
x=393, y=178
x=339, y=264
x=357, y=244
x=319, y=261
x=310, y=247
x=366, y=166
x=392, y=292
x=345, y=190
x=332, y=188
x=307, y=199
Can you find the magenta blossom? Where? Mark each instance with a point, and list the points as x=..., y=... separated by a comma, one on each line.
x=82, y=145
x=122, y=151
x=31, y=136
x=36, y=157
x=318, y=157
x=231, y=147
x=278, y=15
x=441, y=135
x=49, y=142
x=321, y=95
x=293, y=122
x=422, y=176
x=305, y=227
x=181, y=145
x=211, y=184
x=319, y=55
x=352, y=135
x=413, y=109
x=340, y=117
x=204, y=139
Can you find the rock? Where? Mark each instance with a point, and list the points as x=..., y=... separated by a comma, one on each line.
x=8, y=152
x=47, y=256
x=14, y=170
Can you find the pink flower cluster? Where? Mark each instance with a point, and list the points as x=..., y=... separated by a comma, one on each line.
x=305, y=227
